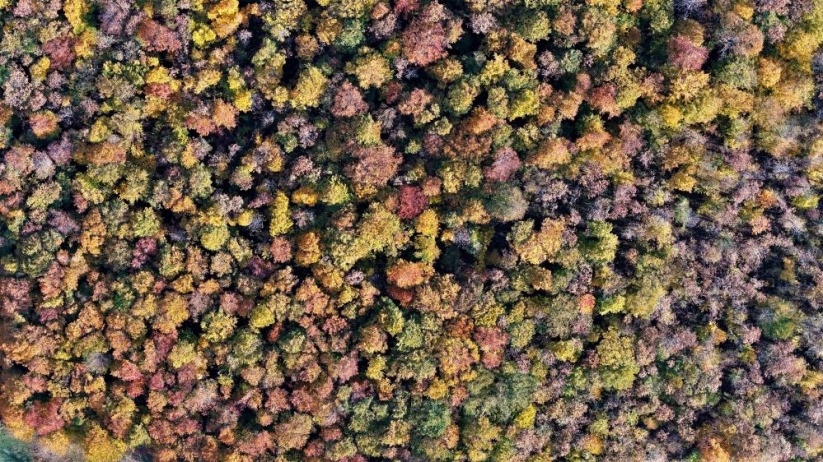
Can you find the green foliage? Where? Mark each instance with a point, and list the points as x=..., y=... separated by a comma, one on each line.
x=599, y=244
x=507, y=203
x=430, y=418
x=13, y=450
x=617, y=363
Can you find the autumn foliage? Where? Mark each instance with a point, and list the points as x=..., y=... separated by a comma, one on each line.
x=413, y=230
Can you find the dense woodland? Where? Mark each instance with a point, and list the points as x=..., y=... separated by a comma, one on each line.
x=413, y=230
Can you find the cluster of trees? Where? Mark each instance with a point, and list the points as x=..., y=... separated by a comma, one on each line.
x=522, y=230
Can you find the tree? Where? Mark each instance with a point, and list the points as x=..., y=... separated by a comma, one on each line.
x=430, y=417
x=507, y=203
x=374, y=166
x=348, y=101
x=425, y=39
x=616, y=358
x=686, y=55
x=157, y=37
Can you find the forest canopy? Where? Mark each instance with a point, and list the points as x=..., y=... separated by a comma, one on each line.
x=353, y=230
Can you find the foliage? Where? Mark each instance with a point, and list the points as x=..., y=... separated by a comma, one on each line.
x=356, y=230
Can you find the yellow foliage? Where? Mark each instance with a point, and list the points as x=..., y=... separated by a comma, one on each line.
x=202, y=35
x=214, y=237
x=397, y=434
x=86, y=46
x=768, y=72
x=371, y=71
x=564, y=350
x=687, y=86
x=522, y=52
x=542, y=245
x=526, y=417
x=57, y=443
x=40, y=68
x=328, y=28
x=308, y=249
x=99, y=131
x=74, y=11
x=593, y=444
x=475, y=212
x=446, y=70
x=101, y=447
x=158, y=75
x=310, y=87
x=703, y=109
x=713, y=451
x=683, y=181
x=182, y=354
x=549, y=154
x=281, y=222
x=175, y=311
x=735, y=101
x=245, y=218
x=437, y=389
x=800, y=46
x=225, y=19
x=205, y=79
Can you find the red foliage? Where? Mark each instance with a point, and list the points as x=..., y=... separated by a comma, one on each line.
x=314, y=449
x=392, y=92
x=163, y=344
x=256, y=445
x=156, y=382
x=60, y=51
x=302, y=400
x=158, y=90
x=406, y=6
x=506, y=163
x=157, y=37
x=348, y=101
x=603, y=98
x=63, y=222
x=415, y=103
x=425, y=40
x=631, y=136
x=161, y=431
x=492, y=342
x=375, y=166
x=202, y=124
x=346, y=367
x=47, y=314
x=43, y=125
x=19, y=163
x=334, y=325
x=144, y=248
x=51, y=283
x=412, y=202
x=686, y=55
x=44, y=417
x=260, y=268
x=403, y=296
x=277, y=400
x=15, y=296
x=128, y=372
x=280, y=249
x=60, y=151
x=23, y=9
x=35, y=383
